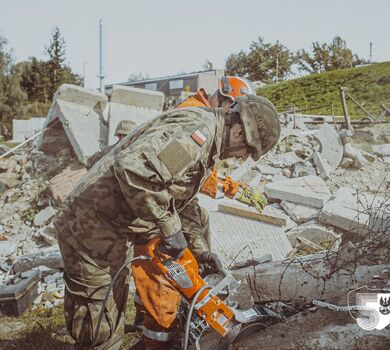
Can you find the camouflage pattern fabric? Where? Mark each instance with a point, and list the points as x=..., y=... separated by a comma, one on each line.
x=124, y=127
x=261, y=123
x=135, y=180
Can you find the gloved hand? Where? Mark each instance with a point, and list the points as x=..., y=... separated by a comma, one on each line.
x=173, y=245
x=249, y=195
x=210, y=262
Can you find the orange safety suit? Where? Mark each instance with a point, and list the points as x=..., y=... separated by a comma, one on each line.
x=155, y=298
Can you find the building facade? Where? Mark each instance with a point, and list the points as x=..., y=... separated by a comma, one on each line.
x=177, y=87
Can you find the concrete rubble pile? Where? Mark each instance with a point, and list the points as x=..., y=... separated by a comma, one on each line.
x=327, y=191
x=36, y=179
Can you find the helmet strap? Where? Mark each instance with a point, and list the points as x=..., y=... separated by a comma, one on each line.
x=230, y=119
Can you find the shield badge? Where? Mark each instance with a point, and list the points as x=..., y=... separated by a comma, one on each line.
x=372, y=305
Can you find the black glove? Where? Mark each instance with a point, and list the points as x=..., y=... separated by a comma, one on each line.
x=209, y=262
x=173, y=245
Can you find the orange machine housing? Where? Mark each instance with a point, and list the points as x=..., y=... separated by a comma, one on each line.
x=215, y=312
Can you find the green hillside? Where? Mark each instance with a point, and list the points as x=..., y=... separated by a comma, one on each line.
x=369, y=85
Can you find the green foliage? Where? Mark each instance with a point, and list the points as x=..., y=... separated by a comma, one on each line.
x=12, y=96
x=369, y=85
x=264, y=61
x=326, y=57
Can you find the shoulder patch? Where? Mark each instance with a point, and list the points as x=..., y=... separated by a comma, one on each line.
x=175, y=157
x=199, y=137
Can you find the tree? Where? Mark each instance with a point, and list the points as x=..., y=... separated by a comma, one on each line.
x=207, y=65
x=137, y=77
x=264, y=61
x=12, y=96
x=235, y=64
x=326, y=57
x=55, y=69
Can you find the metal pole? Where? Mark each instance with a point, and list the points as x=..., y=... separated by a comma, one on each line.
x=84, y=74
x=21, y=144
x=370, y=52
x=101, y=69
x=345, y=108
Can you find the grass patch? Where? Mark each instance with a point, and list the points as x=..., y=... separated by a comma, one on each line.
x=369, y=85
x=44, y=329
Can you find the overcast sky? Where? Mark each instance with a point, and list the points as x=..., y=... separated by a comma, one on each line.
x=167, y=37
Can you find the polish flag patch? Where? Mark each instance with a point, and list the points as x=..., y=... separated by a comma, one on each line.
x=198, y=137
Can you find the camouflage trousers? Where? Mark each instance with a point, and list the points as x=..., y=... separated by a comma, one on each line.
x=87, y=278
x=92, y=257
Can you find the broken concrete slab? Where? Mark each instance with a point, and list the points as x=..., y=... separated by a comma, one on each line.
x=322, y=165
x=9, y=180
x=266, y=169
x=237, y=238
x=382, y=150
x=331, y=145
x=278, y=212
x=300, y=213
x=367, y=134
x=80, y=111
x=351, y=210
x=50, y=258
x=316, y=234
x=62, y=184
x=9, y=246
x=286, y=159
x=293, y=279
x=308, y=190
x=137, y=105
x=240, y=172
x=44, y=216
x=386, y=160
x=303, y=169
x=351, y=152
x=132, y=96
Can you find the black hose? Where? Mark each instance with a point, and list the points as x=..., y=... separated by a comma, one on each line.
x=191, y=310
x=128, y=261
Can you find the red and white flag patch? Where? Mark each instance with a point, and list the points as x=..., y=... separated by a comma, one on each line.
x=198, y=137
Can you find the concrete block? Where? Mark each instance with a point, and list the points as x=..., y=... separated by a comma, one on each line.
x=382, y=150
x=22, y=129
x=314, y=233
x=9, y=180
x=386, y=160
x=240, y=172
x=322, y=165
x=119, y=112
x=300, y=213
x=286, y=159
x=44, y=216
x=62, y=184
x=271, y=210
x=135, y=97
x=81, y=96
x=266, y=169
x=331, y=145
x=308, y=190
x=80, y=112
x=352, y=211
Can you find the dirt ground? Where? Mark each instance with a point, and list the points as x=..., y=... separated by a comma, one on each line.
x=44, y=329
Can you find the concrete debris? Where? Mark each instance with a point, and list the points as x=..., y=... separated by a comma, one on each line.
x=382, y=150
x=300, y=213
x=266, y=169
x=80, y=111
x=353, y=153
x=9, y=180
x=286, y=159
x=44, y=216
x=315, y=233
x=331, y=145
x=50, y=258
x=137, y=105
x=351, y=210
x=301, y=169
x=322, y=165
x=245, y=171
x=386, y=160
x=308, y=190
x=278, y=212
x=62, y=184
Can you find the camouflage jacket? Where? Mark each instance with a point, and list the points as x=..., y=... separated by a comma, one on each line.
x=152, y=174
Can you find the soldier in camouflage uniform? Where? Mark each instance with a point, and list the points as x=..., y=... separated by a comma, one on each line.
x=151, y=175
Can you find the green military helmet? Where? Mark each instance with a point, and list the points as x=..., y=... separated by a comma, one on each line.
x=124, y=128
x=261, y=123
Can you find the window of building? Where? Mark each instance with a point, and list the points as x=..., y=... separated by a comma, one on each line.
x=151, y=86
x=176, y=84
